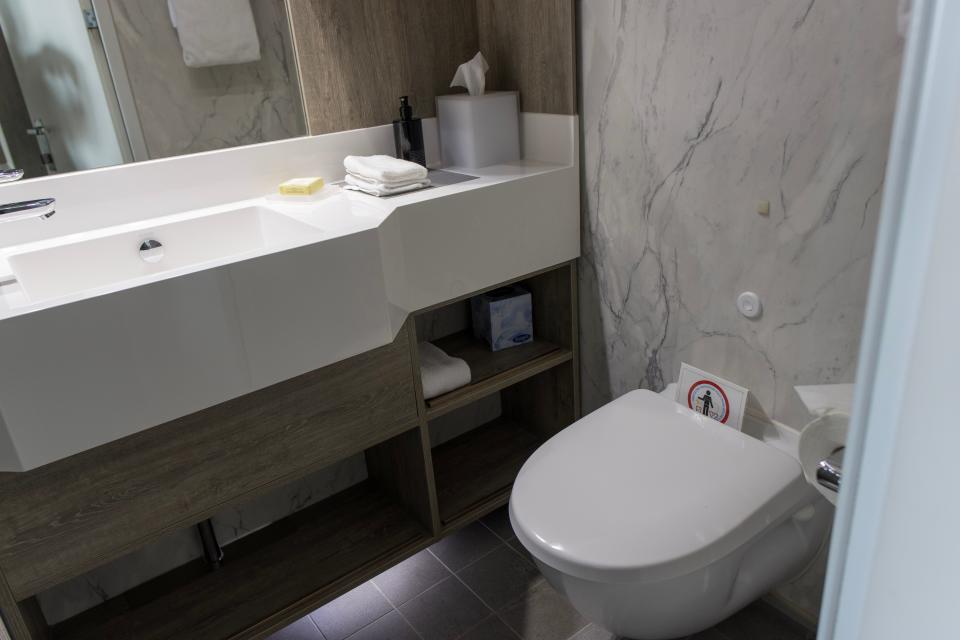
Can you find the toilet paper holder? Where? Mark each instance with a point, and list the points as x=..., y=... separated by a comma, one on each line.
x=830, y=470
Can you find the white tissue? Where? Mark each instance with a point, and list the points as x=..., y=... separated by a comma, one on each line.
x=472, y=75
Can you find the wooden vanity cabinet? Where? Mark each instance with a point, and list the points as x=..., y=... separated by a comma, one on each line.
x=69, y=517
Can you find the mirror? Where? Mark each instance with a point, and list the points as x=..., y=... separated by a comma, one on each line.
x=93, y=83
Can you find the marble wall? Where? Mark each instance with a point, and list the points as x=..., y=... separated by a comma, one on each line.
x=184, y=110
x=693, y=114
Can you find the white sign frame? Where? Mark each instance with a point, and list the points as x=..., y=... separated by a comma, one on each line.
x=733, y=395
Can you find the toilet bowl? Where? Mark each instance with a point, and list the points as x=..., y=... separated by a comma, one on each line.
x=657, y=522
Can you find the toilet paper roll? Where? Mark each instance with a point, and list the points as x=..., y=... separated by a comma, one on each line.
x=818, y=440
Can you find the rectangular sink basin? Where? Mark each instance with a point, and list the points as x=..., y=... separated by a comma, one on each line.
x=178, y=246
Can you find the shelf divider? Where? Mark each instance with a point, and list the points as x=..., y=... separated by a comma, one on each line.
x=493, y=371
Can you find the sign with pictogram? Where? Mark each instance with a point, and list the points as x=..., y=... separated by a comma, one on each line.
x=711, y=396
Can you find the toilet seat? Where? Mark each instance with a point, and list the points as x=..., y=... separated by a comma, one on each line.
x=644, y=489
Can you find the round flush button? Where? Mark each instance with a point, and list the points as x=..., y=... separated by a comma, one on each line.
x=749, y=304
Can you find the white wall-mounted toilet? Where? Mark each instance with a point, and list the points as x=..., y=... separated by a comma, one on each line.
x=657, y=522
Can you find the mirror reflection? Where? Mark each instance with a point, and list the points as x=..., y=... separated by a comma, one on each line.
x=94, y=83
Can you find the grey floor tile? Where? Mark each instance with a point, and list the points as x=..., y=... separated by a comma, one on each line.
x=302, y=629
x=445, y=611
x=462, y=547
x=490, y=629
x=543, y=614
x=499, y=522
x=517, y=546
x=500, y=578
x=411, y=577
x=390, y=627
x=760, y=620
x=593, y=632
x=351, y=612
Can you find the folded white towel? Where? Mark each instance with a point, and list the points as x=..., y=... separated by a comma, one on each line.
x=440, y=372
x=215, y=32
x=353, y=183
x=360, y=180
x=384, y=168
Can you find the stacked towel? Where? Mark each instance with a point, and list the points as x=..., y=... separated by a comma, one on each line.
x=440, y=372
x=215, y=32
x=383, y=175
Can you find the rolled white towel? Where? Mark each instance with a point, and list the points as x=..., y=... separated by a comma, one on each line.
x=384, y=168
x=382, y=188
x=439, y=372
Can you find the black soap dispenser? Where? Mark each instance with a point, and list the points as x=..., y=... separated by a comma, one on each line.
x=408, y=134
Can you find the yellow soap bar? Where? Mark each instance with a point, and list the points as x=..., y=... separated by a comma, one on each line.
x=301, y=186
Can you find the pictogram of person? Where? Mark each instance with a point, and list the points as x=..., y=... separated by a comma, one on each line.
x=707, y=402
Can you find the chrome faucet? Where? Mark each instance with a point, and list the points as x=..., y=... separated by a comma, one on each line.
x=10, y=175
x=41, y=208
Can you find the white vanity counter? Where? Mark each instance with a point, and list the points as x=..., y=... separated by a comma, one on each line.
x=97, y=343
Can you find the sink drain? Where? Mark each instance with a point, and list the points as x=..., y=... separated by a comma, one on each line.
x=151, y=251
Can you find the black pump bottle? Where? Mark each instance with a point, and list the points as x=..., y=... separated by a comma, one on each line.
x=408, y=134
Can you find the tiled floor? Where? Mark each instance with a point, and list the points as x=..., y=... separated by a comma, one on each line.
x=479, y=584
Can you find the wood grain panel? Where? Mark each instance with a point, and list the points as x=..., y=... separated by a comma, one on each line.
x=531, y=47
x=75, y=514
x=553, y=311
x=12, y=618
x=356, y=57
x=545, y=403
x=400, y=467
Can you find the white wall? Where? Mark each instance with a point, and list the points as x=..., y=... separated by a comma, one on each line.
x=895, y=561
x=51, y=53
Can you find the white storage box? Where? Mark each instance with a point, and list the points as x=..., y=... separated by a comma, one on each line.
x=503, y=317
x=479, y=131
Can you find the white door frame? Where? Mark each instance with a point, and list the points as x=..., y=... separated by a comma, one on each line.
x=894, y=569
x=121, y=81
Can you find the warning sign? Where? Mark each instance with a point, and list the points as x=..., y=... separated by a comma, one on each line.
x=711, y=396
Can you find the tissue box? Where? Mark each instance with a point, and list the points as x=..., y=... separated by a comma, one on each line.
x=479, y=131
x=503, y=317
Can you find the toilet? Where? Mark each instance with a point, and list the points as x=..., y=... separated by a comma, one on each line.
x=657, y=522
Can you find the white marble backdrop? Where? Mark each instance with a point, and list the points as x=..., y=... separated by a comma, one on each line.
x=184, y=110
x=693, y=114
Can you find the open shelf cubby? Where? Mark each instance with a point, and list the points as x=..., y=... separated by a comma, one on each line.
x=537, y=385
x=277, y=574
x=478, y=468
x=293, y=563
x=493, y=370
x=448, y=326
x=475, y=470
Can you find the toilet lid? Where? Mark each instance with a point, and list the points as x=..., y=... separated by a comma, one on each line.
x=644, y=489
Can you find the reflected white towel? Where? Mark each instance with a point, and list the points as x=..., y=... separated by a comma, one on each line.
x=384, y=169
x=382, y=188
x=440, y=372
x=215, y=32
